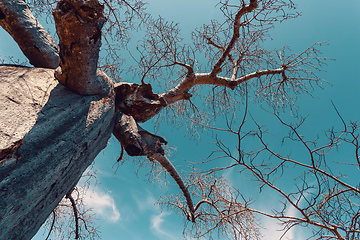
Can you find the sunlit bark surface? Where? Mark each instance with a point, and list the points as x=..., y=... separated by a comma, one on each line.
x=49, y=136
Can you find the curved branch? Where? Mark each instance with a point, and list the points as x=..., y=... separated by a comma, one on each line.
x=52, y=225
x=139, y=142
x=246, y=9
x=165, y=162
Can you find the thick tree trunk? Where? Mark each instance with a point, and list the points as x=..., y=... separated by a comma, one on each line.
x=33, y=40
x=48, y=137
x=49, y=134
x=78, y=25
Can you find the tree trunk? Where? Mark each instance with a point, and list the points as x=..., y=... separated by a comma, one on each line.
x=78, y=25
x=48, y=137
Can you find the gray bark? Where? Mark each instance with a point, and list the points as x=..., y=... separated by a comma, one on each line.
x=33, y=40
x=49, y=134
x=48, y=137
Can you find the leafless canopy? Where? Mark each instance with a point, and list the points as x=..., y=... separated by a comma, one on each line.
x=222, y=69
x=323, y=198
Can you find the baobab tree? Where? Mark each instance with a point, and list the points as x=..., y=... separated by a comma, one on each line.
x=77, y=100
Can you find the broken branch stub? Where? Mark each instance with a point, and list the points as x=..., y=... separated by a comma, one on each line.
x=139, y=101
x=78, y=25
x=136, y=140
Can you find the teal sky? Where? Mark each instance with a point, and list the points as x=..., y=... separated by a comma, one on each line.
x=125, y=201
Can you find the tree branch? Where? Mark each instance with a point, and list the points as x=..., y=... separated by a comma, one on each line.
x=136, y=140
x=78, y=25
x=52, y=224
x=139, y=101
x=139, y=142
x=180, y=92
x=33, y=40
x=246, y=9
x=76, y=215
x=165, y=162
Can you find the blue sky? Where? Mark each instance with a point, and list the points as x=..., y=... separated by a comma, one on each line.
x=125, y=201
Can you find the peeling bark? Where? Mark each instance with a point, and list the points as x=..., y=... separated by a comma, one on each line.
x=33, y=40
x=78, y=25
x=11, y=152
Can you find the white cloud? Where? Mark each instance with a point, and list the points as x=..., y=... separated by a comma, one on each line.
x=273, y=230
x=157, y=227
x=102, y=204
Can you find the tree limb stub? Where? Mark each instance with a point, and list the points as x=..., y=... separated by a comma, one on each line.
x=139, y=142
x=136, y=140
x=78, y=25
x=139, y=101
x=33, y=40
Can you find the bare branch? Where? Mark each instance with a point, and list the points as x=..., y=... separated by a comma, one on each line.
x=246, y=9
x=52, y=225
x=180, y=92
x=76, y=216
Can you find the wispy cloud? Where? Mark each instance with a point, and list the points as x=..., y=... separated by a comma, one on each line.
x=158, y=228
x=145, y=203
x=273, y=230
x=102, y=204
